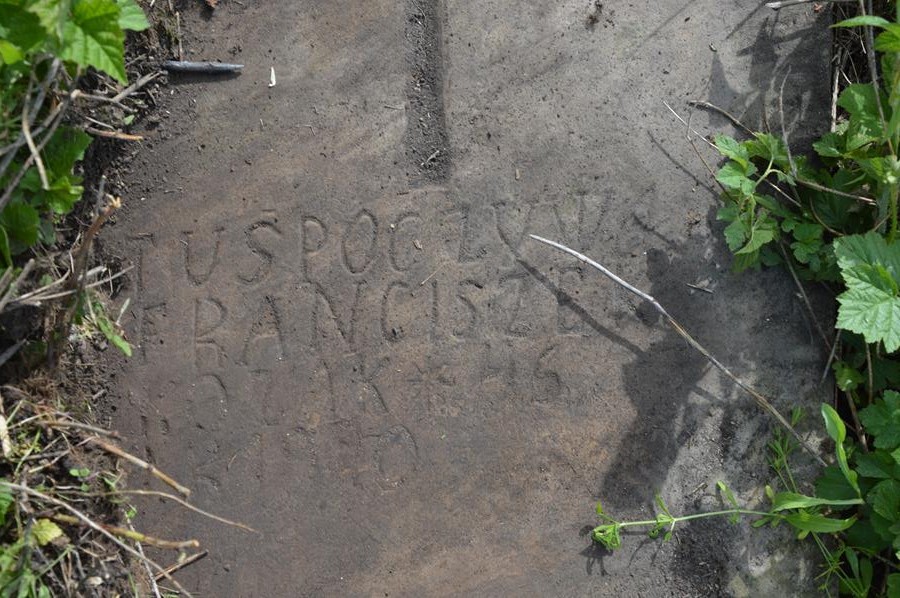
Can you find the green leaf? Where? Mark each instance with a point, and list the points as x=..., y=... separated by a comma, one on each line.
x=65, y=148
x=868, y=249
x=131, y=16
x=20, y=32
x=834, y=425
x=21, y=222
x=730, y=148
x=888, y=41
x=834, y=486
x=735, y=177
x=877, y=464
x=829, y=146
x=872, y=312
x=863, y=21
x=6, y=501
x=846, y=377
x=79, y=472
x=729, y=495
x=763, y=230
x=859, y=100
x=4, y=247
x=768, y=147
x=893, y=585
x=818, y=524
x=791, y=500
x=882, y=421
x=870, y=306
x=45, y=531
x=93, y=37
x=109, y=331
x=885, y=499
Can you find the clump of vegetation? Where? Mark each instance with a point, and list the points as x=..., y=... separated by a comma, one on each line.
x=62, y=506
x=834, y=219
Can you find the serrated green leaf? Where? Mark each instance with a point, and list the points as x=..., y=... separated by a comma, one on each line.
x=734, y=176
x=887, y=41
x=868, y=249
x=93, y=37
x=830, y=145
x=882, y=421
x=877, y=464
x=20, y=32
x=885, y=499
x=65, y=148
x=763, y=230
x=45, y=531
x=768, y=147
x=791, y=500
x=872, y=312
x=730, y=148
x=21, y=222
x=131, y=16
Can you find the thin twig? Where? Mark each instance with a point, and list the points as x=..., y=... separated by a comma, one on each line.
x=55, y=118
x=76, y=94
x=183, y=503
x=786, y=3
x=869, y=45
x=11, y=290
x=136, y=86
x=113, y=134
x=756, y=395
x=26, y=133
x=130, y=534
x=784, y=134
x=184, y=563
x=96, y=527
x=57, y=423
x=834, y=348
x=804, y=296
x=723, y=112
x=36, y=299
x=12, y=350
x=111, y=448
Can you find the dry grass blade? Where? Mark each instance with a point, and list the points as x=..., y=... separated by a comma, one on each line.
x=122, y=532
x=94, y=526
x=756, y=395
x=113, y=449
x=182, y=564
x=185, y=504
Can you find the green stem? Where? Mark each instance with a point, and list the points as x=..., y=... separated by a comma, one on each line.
x=700, y=516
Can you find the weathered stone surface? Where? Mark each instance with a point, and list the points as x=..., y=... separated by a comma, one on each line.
x=347, y=341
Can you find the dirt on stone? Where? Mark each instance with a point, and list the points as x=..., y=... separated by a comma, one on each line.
x=345, y=339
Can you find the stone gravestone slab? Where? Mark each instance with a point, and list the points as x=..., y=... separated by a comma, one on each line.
x=346, y=339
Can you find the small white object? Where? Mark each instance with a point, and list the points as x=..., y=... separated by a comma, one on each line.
x=272, y=77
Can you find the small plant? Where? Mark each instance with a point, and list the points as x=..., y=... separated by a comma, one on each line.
x=44, y=47
x=837, y=222
x=834, y=220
